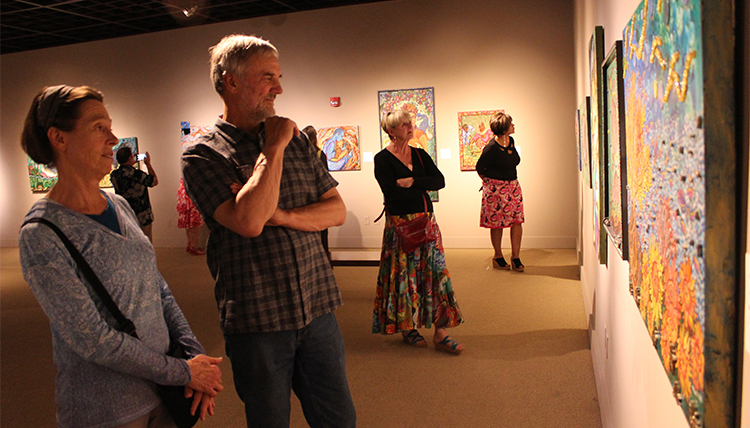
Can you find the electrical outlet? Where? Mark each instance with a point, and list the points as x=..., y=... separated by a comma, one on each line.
x=367, y=220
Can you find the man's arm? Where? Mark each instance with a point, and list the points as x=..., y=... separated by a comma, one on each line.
x=256, y=202
x=151, y=171
x=329, y=211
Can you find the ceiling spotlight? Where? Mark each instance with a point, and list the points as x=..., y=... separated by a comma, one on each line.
x=190, y=11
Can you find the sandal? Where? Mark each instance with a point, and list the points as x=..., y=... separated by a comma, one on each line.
x=449, y=345
x=517, y=265
x=500, y=263
x=413, y=338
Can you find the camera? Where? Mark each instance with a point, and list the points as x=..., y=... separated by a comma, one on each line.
x=140, y=157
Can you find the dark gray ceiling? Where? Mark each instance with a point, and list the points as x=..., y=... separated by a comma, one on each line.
x=37, y=24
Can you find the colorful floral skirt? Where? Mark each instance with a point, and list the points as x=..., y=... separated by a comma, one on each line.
x=187, y=215
x=414, y=289
x=502, y=204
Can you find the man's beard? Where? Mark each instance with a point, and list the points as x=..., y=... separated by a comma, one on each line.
x=263, y=112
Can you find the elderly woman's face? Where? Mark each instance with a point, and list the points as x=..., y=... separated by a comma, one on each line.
x=89, y=145
x=404, y=131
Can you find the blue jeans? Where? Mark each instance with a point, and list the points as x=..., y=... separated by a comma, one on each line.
x=310, y=361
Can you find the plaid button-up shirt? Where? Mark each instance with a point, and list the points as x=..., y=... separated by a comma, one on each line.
x=281, y=279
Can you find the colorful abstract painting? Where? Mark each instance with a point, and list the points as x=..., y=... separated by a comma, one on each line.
x=420, y=103
x=473, y=134
x=598, y=152
x=663, y=73
x=41, y=177
x=131, y=142
x=189, y=133
x=341, y=146
x=614, y=133
x=585, y=115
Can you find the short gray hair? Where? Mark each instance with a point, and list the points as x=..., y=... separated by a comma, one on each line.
x=393, y=119
x=231, y=54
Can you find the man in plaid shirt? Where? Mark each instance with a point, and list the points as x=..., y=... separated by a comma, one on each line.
x=265, y=196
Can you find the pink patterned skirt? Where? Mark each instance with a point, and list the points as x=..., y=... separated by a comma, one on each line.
x=502, y=204
x=188, y=216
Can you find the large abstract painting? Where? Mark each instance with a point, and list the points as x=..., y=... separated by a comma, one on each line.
x=420, y=103
x=598, y=150
x=474, y=133
x=584, y=113
x=614, y=133
x=341, y=146
x=681, y=179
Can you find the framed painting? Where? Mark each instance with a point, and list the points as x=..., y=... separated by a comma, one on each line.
x=614, y=136
x=189, y=133
x=41, y=177
x=585, y=137
x=131, y=142
x=341, y=146
x=420, y=103
x=682, y=195
x=598, y=150
x=474, y=133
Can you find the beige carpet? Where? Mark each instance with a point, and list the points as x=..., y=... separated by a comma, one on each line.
x=527, y=361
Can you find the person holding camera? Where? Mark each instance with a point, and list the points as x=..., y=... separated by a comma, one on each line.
x=133, y=185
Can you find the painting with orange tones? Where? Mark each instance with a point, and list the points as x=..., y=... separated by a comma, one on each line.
x=666, y=197
x=420, y=103
x=473, y=134
x=341, y=146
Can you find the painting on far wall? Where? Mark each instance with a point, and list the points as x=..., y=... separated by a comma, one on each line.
x=585, y=137
x=420, y=103
x=131, y=142
x=614, y=137
x=474, y=133
x=681, y=182
x=42, y=177
x=341, y=146
x=598, y=152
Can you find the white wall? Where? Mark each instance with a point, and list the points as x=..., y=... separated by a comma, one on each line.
x=477, y=54
x=634, y=390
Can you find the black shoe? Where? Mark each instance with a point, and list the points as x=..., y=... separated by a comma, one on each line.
x=517, y=265
x=500, y=263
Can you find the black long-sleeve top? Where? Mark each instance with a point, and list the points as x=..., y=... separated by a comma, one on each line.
x=499, y=163
x=407, y=200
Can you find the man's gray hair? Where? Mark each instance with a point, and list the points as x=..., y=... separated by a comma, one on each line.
x=232, y=53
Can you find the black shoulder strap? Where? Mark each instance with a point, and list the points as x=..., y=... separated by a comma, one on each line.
x=126, y=325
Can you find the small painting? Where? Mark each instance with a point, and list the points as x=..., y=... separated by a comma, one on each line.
x=474, y=133
x=341, y=147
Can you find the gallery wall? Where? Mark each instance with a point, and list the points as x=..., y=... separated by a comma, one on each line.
x=633, y=387
x=477, y=54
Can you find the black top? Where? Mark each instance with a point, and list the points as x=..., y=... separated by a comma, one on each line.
x=498, y=162
x=403, y=200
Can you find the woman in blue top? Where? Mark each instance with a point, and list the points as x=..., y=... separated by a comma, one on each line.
x=105, y=376
x=502, y=200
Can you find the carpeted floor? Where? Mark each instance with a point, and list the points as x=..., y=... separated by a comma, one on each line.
x=527, y=361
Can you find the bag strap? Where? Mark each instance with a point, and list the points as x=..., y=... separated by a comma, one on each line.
x=126, y=325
